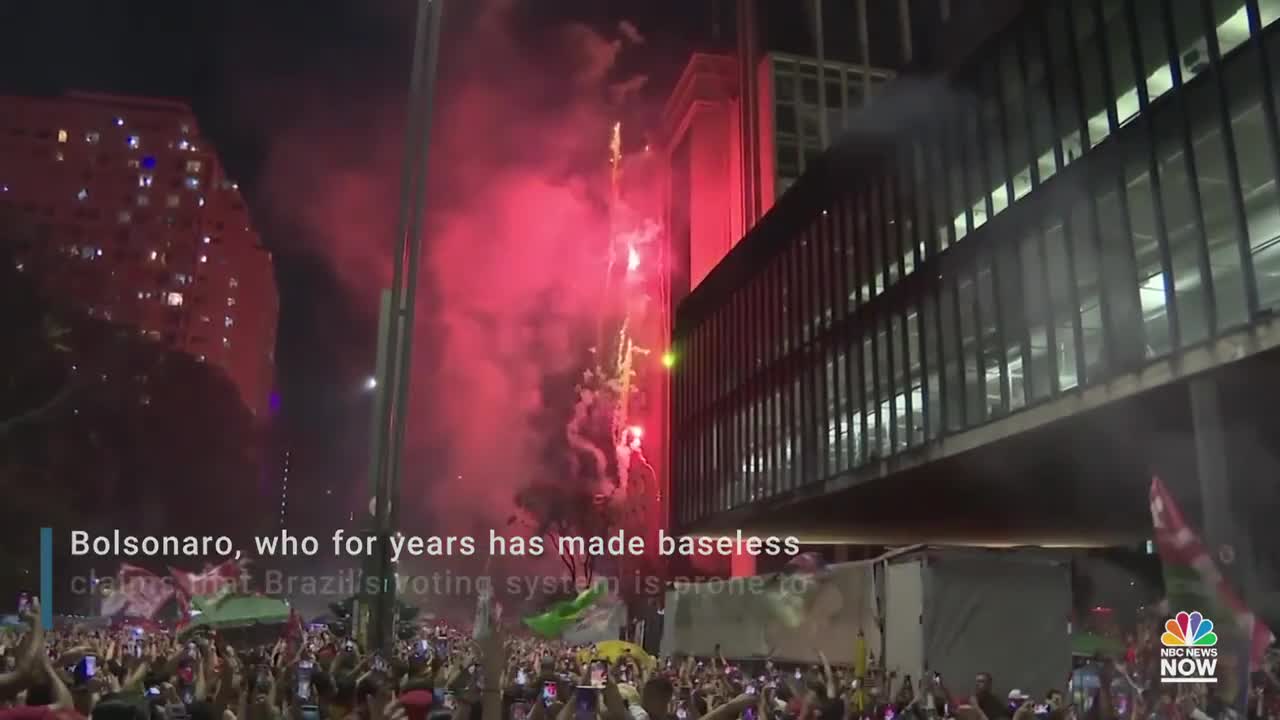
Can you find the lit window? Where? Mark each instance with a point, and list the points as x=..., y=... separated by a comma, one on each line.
x=204, y=258
x=62, y=136
x=4, y=188
x=227, y=321
x=154, y=254
x=185, y=128
x=99, y=253
x=141, y=295
x=172, y=201
x=20, y=266
x=87, y=253
x=183, y=144
x=193, y=166
x=119, y=122
x=226, y=342
x=231, y=302
x=182, y=278
x=133, y=163
x=92, y=138
x=83, y=194
x=200, y=201
x=133, y=141
x=149, y=162
x=233, y=282
x=124, y=216
x=145, y=180
x=207, y=239
x=200, y=358
x=173, y=299
x=143, y=201
x=205, y=318
x=58, y=156
x=192, y=183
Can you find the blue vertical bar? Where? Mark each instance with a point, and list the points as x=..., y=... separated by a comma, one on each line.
x=46, y=578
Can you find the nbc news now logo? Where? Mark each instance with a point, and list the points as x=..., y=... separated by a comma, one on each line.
x=1189, y=654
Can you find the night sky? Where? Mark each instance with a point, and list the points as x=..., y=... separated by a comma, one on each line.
x=256, y=69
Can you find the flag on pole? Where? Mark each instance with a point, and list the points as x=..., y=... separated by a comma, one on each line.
x=1194, y=584
x=564, y=614
x=1192, y=579
x=138, y=592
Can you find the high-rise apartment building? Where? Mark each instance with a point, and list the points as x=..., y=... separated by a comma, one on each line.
x=128, y=215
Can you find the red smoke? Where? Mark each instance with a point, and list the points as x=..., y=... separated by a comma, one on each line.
x=515, y=249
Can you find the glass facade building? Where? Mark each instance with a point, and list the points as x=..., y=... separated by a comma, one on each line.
x=1095, y=190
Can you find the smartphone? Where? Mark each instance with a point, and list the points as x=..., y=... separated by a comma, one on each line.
x=153, y=691
x=682, y=710
x=423, y=647
x=1041, y=709
x=549, y=690
x=749, y=713
x=889, y=712
x=521, y=678
x=442, y=647
x=449, y=702
x=750, y=689
x=85, y=669
x=304, y=679
x=379, y=664
x=598, y=671
x=799, y=675
x=586, y=704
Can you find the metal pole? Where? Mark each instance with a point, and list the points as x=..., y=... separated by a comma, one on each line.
x=395, y=346
x=904, y=24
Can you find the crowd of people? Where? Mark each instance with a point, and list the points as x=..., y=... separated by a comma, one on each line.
x=441, y=672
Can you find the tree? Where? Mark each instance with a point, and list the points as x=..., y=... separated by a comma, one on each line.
x=102, y=428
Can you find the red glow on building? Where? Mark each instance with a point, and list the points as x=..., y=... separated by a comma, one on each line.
x=129, y=216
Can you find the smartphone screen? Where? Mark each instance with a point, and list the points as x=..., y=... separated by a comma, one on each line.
x=597, y=674
x=422, y=647
x=889, y=713
x=521, y=678
x=304, y=679
x=749, y=713
x=586, y=705
x=549, y=689
x=449, y=702
x=750, y=689
x=682, y=710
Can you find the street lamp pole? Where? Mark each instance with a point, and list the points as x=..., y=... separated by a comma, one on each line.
x=376, y=616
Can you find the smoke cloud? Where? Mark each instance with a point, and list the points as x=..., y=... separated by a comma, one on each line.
x=515, y=250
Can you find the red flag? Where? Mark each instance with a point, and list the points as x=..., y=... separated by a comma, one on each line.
x=138, y=593
x=213, y=580
x=1182, y=551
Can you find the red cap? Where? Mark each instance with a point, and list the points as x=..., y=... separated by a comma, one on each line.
x=416, y=703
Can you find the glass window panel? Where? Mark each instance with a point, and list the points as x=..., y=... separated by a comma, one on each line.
x=933, y=383
x=785, y=118
x=978, y=185
x=1232, y=21
x=1269, y=10
x=1017, y=114
x=993, y=140
x=952, y=357
x=1116, y=266
x=875, y=240
x=785, y=88
x=914, y=413
x=992, y=347
x=1065, y=81
x=1146, y=252
x=956, y=164
x=1058, y=262
x=1088, y=286
x=869, y=407
x=1124, y=82
x=809, y=90
x=1212, y=171
x=884, y=391
x=974, y=381
x=1010, y=315
x=1091, y=71
x=1034, y=303
x=1043, y=139
x=1256, y=173
x=1182, y=226
x=1155, y=70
